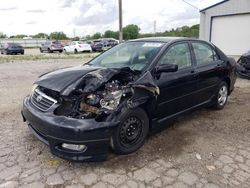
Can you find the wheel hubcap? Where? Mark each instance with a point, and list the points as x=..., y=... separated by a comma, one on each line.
x=131, y=131
x=222, y=97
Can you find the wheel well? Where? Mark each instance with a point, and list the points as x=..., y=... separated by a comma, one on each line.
x=227, y=80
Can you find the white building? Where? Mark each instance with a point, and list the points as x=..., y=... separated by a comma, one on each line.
x=227, y=25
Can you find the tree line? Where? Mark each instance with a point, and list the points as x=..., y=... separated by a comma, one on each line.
x=129, y=32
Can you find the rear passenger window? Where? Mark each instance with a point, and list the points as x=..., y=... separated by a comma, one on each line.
x=204, y=53
x=178, y=54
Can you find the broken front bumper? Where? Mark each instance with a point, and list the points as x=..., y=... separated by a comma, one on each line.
x=55, y=130
x=243, y=71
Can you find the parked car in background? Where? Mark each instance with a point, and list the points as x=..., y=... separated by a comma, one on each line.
x=103, y=44
x=116, y=99
x=243, y=65
x=12, y=48
x=111, y=42
x=98, y=46
x=51, y=46
x=77, y=46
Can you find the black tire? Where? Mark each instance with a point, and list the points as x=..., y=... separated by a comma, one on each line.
x=131, y=133
x=75, y=51
x=49, y=50
x=22, y=53
x=60, y=51
x=41, y=50
x=221, y=96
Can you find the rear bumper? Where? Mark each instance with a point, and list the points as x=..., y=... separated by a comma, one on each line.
x=54, y=130
x=85, y=49
x=15, y=51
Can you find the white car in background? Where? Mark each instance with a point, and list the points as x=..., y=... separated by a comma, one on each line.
x=77, y=46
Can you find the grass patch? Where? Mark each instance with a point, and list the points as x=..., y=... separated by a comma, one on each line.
x=45, y=56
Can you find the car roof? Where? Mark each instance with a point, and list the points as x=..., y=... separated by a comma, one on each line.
x=158, y=39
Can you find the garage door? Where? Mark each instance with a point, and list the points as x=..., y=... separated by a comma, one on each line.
x=231, y=33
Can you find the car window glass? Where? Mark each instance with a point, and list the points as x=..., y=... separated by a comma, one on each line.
x=135, y=55
x=203, y=53
x=178, y=54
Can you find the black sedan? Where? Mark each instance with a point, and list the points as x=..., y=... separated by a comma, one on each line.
x=12, y=48
x=116, y=99
x=243, y=66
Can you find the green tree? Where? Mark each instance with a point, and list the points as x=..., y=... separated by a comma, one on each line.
x=58, y=35
x=20, y=36
x=76, y=39
x=131, y=32
x=2, y=35
x=96, y=35
x=41, y=36
x=184, y=31
x=111, y=34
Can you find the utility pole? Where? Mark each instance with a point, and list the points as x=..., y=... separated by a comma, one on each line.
x=120, y=21
x=155, y=27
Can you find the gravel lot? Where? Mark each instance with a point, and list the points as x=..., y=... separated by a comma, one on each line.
x=203, y=149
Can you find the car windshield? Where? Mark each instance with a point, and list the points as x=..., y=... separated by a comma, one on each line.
x=135, y=55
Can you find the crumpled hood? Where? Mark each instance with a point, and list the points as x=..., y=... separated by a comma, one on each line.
x=60, y=79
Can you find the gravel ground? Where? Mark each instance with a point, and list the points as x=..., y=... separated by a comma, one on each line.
x=206, y=148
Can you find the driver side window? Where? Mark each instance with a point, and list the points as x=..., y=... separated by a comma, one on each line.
x=178, y=54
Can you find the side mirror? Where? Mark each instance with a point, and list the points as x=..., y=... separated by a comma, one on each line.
x=166, y=68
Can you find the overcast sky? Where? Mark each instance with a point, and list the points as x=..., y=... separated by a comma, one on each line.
x=90, y=16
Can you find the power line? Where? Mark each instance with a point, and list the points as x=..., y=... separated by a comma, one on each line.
x=191, y=5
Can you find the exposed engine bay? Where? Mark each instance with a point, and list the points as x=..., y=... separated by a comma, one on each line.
x=103, y=101
x=101, y=92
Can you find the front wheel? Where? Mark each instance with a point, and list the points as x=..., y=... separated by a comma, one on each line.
x=221, y=96
x=131, y=133
x=75, y=51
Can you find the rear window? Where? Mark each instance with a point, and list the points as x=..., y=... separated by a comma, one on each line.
x=56, y=42
x=14, y=45
x=204, y=53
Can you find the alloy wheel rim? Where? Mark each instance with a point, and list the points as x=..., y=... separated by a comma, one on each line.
x=222, y=97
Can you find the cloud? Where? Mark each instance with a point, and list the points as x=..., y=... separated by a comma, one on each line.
x=68, y=3
x=31, y=23
x=8, y=8
x=96, y=12
x=36, y=11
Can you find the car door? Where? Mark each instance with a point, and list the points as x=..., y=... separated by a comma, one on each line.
x=209, y=68
x=72, y=47
x=177, y=89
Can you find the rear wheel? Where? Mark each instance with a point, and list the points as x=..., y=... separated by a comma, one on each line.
x=75, y=51
x=41, y=50
x=131, y=133
x=49, y=50
x=221, y=96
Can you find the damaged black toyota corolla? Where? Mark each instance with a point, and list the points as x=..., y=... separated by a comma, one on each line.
x=116, y=99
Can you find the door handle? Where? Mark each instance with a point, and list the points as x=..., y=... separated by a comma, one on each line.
x=194, y=73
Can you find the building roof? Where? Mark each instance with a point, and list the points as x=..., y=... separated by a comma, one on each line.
x=203, y=10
